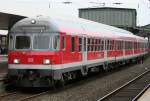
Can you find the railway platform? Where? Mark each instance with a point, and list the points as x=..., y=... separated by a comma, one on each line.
x=144, y=95
x=3, y=71
x=3, y=66
x=3, y=58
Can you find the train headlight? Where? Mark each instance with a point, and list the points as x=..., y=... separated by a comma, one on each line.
x=33, y=21
x=16, y=61
x=46, y=61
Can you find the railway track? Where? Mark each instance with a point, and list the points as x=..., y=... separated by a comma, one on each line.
x=7, y=94
x=19, y=96
x=141, y=93
x=129, y=90
x=33, y=96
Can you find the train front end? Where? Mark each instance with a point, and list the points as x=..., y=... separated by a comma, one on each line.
x=34, y=46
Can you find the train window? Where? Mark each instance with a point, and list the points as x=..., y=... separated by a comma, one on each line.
x=22, y=42
x=102, y=45
x=10, y=42
x=135, y=45
x=125, y=45
x=41, y=42
x=84, y=44
x=88, y=40
x=63, y=42
x=96, y=41
x=130, y=45
x=88, y=44
x=56, y=42
x=112, y=45
x=121, y=45
x=80, y=44
x=72, y=44
x=80, y=40
x=108, y=44
x=117, y=45
x=92, y=47
x=96, y=45
x=105, y=44
x=92, y=44
x=93, y=41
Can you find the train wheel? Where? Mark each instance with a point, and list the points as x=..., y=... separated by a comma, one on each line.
x=106, y=67
x=60, y=83
x=84, y=71
x=52, y=83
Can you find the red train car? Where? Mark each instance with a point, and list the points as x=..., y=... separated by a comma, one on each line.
x=43, y=51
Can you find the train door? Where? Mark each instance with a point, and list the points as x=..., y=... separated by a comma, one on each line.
x=123, y=49
x=105, y=50
x=84, y=52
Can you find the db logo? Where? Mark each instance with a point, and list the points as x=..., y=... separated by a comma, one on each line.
x=30, y=60
x=99, y=55
x=23, y=52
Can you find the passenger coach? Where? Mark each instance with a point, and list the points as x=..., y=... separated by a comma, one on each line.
x=45, y=51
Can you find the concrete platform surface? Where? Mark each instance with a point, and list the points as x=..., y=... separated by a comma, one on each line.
x=145, y=96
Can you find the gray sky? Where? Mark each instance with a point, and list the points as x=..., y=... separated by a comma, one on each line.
x=57, y=8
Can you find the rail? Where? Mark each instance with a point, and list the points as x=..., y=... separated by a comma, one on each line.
x=121, y=87
x=141, y=93
x=33, y=96
x=24, y=98
x=8, y=94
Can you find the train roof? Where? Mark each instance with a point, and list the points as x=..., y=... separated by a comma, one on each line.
x=75, y=26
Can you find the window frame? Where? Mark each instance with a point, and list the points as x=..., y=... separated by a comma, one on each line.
x=50, y=48
x=31, y=41
x=80, y=45
x=63, y=48
x=71, y=44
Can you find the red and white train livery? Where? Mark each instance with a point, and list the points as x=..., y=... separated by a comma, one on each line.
x=46, y=50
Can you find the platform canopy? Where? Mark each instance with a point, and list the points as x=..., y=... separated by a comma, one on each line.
x=144, y=30
x=8, y=20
